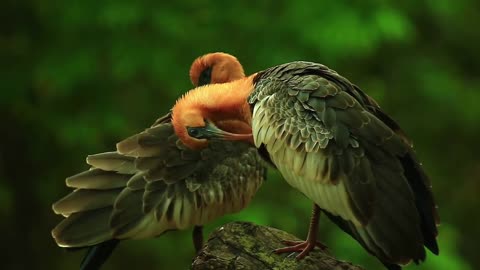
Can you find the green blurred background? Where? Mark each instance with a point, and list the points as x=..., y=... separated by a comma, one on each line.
x=78, y=76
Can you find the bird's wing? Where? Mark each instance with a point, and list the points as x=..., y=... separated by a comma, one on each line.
x=176, y=180
x=163, y=119
x=154, y=183
x=327, y=131
x=329, y=141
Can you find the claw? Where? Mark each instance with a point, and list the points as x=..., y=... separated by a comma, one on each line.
x=318, y=244
x=290, y=255
x=304, y=247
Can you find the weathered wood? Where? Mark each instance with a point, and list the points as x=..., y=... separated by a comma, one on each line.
x=242, y=245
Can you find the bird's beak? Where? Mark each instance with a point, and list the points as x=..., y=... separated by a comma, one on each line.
x=210, y=131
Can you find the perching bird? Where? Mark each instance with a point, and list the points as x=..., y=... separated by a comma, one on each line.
x=332, y=142
x=153, y=183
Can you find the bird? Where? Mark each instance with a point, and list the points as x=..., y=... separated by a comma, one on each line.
x=333, y=143
x=153, y=184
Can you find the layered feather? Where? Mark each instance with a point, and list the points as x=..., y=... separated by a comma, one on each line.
x=153, y=184
x=334, y=144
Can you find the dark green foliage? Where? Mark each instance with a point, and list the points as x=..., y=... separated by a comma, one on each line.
x=77, y=77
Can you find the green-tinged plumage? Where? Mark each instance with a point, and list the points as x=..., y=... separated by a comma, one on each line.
x=155, y=186
x=153, y=183
x=84, y=228
x=99, y=179
x=85, y=199
x=334, y=143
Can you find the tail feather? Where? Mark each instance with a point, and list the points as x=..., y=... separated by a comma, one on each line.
x=350, y=229
x=393, y=234
x=424, y=201
x=98, y=254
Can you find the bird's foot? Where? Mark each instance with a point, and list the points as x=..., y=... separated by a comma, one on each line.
x=304, y=247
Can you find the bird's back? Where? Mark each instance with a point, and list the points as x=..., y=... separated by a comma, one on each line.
x=333, y=142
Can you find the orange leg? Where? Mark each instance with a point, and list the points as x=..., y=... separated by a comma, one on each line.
x=197, y=236
x=304, y=247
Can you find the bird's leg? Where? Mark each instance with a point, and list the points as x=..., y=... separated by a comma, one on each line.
x=304, y=247
x=197, y=236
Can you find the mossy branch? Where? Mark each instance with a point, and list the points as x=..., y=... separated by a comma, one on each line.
x=242, y=245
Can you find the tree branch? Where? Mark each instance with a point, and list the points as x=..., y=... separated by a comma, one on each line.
x=242, y=245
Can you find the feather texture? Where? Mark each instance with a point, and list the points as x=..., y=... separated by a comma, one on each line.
x=334, y=144
x=152, y=184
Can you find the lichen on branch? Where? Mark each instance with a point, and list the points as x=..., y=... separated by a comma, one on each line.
x=243, y=245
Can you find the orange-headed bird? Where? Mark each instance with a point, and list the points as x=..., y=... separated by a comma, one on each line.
x=332, y=142
x=153, y=183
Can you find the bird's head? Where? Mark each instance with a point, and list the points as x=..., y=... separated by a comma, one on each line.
x=215, y=111
x=215, y=68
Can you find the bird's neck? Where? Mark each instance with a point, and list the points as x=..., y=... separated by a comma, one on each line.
x=226, y=104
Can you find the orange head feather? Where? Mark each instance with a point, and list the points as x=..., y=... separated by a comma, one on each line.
x=224, y=104
x=215, y=68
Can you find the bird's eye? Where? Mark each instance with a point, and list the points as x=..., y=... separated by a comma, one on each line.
x=205, y=76
x=194, y=132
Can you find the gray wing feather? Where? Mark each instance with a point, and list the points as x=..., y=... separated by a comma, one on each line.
x=153, y=183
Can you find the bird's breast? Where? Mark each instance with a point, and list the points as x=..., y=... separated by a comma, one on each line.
x=307, y=171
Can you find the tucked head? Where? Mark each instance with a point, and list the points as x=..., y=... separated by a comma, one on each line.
x=195, y=131
x=215, y=68
x=215, y=111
